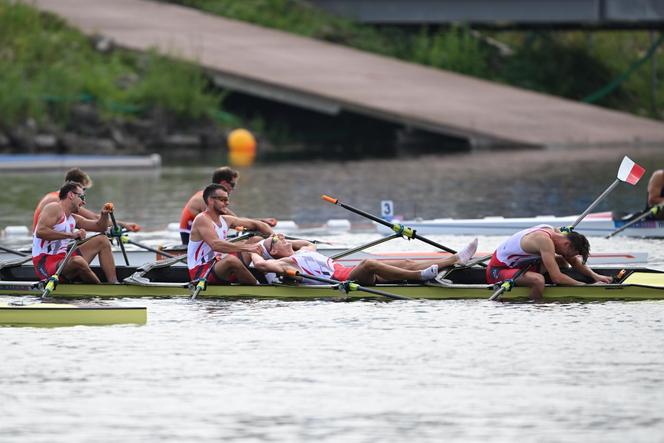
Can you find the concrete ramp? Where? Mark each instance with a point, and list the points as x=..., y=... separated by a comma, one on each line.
x=330, y=78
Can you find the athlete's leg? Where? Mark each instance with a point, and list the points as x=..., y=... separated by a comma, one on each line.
x=78, y=269
x=100, y=246
x=232, y=266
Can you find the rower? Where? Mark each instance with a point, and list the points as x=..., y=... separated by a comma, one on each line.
x=278, y=256
x=57, y=225
x=78, y=176
x=656, y=193
x=208, y=246
x=548, y=246
x=227, y=178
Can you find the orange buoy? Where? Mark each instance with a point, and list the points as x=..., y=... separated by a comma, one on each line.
x=241, y=147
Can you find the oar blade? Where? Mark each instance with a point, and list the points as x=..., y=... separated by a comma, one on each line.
x=630, y=172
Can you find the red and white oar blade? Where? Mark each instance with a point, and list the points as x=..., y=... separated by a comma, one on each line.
x=630, y=172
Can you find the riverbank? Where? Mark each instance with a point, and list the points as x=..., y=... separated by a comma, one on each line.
x=62, y=92
x=89, y=95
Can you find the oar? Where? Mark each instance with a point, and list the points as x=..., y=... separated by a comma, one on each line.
x=345, y=286
x=13, y=251
x=402, y=230
x=146, y=247
x=508, y=284
x=117, y=232
x=53, y=280
x=202, y=282
x=628, y=172
x=364, y=246
x=654, y=211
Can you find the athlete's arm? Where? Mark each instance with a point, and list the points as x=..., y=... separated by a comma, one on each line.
x=303, y=244
x=100, y=224
x=655, y=185
x=278, y=266
x=205, y=229
x=585, y=270
x=196, y=204
x=49, y=217
x=249, y=223
x=544, y=245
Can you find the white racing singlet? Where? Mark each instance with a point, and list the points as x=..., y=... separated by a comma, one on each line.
x=199, y=252
x=510, y=252
x=313, y=263
x=53, y=247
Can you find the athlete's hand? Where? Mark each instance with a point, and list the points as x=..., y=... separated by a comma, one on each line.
x=133, y=227
x=272, y=222
x=603, y=279
x=108, y=207
x=256, y=248
x=79, y=234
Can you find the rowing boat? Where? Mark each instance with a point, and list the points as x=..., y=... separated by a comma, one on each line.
x=60, y=314
x=139, y=257
x=465, y=283
x=597, y=224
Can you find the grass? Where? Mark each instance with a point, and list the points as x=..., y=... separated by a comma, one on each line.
x=46, y=67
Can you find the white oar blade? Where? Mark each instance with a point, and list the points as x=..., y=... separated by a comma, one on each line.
x=630, y=172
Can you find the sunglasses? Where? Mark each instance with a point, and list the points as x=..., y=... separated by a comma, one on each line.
x=80, y=195
x=220, y=198
x=274, y=241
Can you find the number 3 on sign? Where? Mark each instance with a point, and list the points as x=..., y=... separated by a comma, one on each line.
x=387, y=209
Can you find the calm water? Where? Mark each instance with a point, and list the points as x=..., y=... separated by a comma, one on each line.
x=351, y=372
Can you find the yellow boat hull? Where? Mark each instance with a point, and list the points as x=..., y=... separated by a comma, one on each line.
x=57, y=314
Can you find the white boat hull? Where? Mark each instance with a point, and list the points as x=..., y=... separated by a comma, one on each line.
x=596, y=225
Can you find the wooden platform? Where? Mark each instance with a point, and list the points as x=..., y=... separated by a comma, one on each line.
x=330, y=78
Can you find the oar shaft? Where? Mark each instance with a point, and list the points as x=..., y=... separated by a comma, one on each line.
x=653, y=210
x=202, y=283
x=364, y=246
x=13, y=251
x=595, y=203
x=148, y=248
x=505, y=286
x=52, y=281
x=335, y=201
x=116, y=228
x=397, y=228
x=351, y=286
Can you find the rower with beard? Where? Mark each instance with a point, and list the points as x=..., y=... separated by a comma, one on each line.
x=59, y=224
x=227, y=178
x=208, y=245
x=80, y=177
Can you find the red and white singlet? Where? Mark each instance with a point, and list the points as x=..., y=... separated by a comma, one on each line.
x=53, y=247
x=200, y=253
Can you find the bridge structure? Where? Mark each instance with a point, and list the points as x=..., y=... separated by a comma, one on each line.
x=645, y=14
x=332, y=79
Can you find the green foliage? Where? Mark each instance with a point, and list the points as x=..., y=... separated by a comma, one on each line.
x=570, y=63
x=174, y=85
x=46, y=67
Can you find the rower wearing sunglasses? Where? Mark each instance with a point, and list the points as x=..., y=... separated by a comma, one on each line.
x=227, y=178
x=278, y=255
x=208, y=245
x=80, y=177
x=59, y=225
